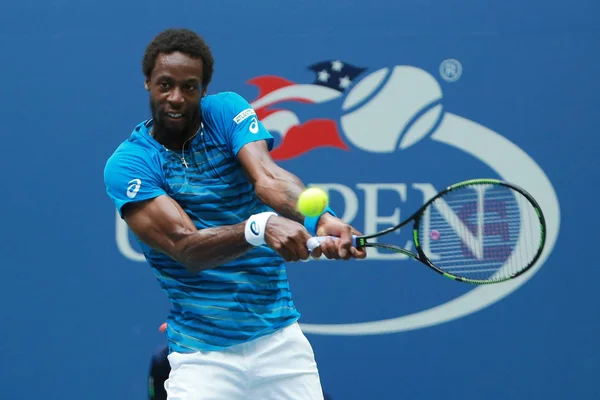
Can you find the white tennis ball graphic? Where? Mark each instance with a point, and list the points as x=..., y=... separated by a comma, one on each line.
x=394, y=109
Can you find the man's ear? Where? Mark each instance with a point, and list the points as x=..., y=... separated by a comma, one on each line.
x=147, y=84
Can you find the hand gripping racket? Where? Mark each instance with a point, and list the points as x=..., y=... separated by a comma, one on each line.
x=478, y=231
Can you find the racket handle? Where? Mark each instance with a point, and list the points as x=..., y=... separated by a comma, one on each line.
x=315, y=241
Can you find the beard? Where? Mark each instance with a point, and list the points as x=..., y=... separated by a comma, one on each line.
x=178, y=130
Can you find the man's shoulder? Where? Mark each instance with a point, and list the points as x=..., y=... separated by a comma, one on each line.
x=134, y=147
x=223, y=98
x=221, y=109
x=224, y=102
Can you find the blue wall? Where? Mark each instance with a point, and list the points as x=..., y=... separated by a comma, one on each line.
x=80, y=313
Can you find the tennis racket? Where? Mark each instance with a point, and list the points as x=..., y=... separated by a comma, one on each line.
x=478, y=231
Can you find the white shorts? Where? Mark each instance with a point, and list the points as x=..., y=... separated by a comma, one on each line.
x=279, y=366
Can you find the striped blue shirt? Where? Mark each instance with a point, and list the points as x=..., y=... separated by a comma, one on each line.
x=232, y=303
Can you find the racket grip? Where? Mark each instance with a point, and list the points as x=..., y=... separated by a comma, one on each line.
x=315, y=241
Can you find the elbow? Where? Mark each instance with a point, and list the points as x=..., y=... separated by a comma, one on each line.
x=191, y=262
x=263, y=186
x=184, y=258
x=269, y=182
x=183, y=252
x=197, y=254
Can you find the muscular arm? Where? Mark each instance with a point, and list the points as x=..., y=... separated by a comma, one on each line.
x=274, y=186
x=280, y=189
x=164, y=226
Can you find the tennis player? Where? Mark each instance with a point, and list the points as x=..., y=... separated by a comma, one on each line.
x=216, y=219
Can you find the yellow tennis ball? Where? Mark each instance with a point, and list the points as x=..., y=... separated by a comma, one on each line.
x=312, y=202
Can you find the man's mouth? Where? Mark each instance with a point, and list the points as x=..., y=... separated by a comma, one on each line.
x=173, y=115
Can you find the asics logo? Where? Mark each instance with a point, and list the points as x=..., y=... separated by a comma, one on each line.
x=253, y=126
x=133, y=188
x=254, y=228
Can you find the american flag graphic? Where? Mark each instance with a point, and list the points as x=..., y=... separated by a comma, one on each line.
x=332, y=79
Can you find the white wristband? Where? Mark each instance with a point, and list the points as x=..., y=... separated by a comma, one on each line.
x=255, y=228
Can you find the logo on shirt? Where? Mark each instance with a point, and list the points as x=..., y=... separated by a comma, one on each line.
x=253, y=126
x=254, y=228
x=243, y=115
x=133, y=188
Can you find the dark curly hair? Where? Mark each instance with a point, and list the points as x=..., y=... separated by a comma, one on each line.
x=185, y=41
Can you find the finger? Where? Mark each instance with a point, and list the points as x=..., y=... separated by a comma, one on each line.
x=317, y=253
x=297, y=247
x=359, y=254
x=345, y=242
x=285, y=254
x=302, y=251
x=301, y=240
x=294, y=251
x=330, y=249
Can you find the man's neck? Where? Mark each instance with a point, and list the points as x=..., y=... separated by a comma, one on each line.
x=171, y=141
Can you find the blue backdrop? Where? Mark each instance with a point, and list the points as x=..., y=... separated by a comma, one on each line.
x=407, y=97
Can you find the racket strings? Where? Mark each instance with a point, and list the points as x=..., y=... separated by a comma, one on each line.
x=481, y=232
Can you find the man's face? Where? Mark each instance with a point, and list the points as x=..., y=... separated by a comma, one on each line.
x=175, y=91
